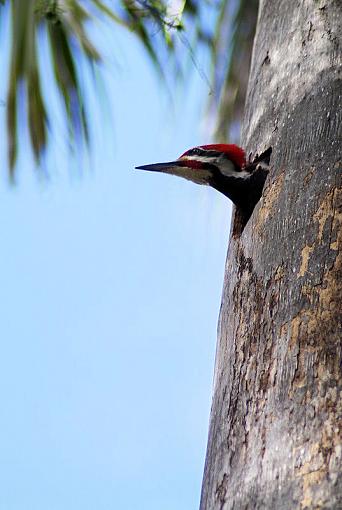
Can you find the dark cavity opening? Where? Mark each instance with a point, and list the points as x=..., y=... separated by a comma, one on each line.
x=259, y=169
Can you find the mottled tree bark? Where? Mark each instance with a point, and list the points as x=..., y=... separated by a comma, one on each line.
x=275, y=429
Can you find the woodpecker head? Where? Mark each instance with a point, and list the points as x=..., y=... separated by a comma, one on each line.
x=206, y=164
x=224, y=168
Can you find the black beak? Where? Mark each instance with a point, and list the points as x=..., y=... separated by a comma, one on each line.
x=159, y=167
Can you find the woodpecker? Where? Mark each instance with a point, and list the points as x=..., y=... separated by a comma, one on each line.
x=223, y=167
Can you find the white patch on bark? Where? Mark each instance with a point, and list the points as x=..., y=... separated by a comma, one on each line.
x=282, y=61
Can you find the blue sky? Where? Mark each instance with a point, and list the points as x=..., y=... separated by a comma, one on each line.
x=110, y=287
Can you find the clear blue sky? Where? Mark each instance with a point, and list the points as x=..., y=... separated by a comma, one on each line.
x=110, y=288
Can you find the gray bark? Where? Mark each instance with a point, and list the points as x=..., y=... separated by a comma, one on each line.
x=275, y=428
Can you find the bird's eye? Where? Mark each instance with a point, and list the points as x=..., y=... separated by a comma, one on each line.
x=194, y=152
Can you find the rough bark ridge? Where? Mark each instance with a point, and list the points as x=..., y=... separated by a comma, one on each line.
x=274, y=438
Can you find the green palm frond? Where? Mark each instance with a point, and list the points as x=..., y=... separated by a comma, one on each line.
x=232, y=69
x=159, y=30
x=64, y=21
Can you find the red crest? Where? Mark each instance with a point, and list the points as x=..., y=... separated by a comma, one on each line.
x=234, y=152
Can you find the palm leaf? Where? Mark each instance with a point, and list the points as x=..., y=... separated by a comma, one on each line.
x=64, y=22
x=23, y=47
x=154, y=25
x=232, y=69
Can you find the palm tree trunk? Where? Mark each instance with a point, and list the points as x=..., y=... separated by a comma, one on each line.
x=275, y=429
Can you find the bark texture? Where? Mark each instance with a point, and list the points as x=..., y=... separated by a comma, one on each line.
x=275, y=429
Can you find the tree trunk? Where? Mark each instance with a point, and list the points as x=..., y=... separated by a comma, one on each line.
x=274, y=439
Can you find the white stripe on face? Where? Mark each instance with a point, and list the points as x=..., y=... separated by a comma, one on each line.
x=226, y=166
